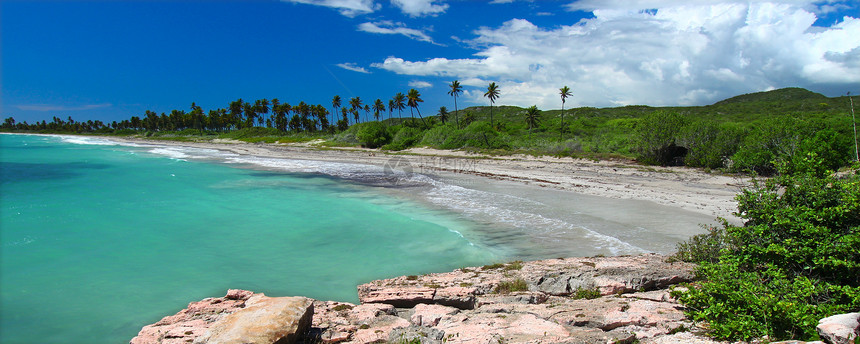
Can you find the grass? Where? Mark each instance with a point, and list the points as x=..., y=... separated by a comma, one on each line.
x=510, y=286
x=585, y=293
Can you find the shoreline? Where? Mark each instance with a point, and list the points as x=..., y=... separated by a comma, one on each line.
x=678, y=187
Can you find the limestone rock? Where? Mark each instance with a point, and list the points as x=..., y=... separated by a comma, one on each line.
x=379, y=330
x=464, y=306
x=639, y=273
x=396, y=296
x=192, y=321
x=840, y=329
x=425, y=335
x=268, y=320
x=429, y=315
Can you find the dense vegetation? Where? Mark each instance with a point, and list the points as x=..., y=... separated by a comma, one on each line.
x=744, y=133
x=794, y=261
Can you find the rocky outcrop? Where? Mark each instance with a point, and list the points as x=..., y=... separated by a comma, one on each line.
x=264, y=320
x=572, y=300
x=840, y=329
x=558, y=277
x=239, y=317
x=193, y=321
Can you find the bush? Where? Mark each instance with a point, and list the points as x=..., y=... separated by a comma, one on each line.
x=510, y=286
x=794, y=261
x=436, y=137
x=476, y=135
x=406, y=137
x=709, y=144
x=373, y=134
x=656, y=136
x=585, y=293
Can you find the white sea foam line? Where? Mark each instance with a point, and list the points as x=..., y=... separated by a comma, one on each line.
x=183, y=153
x=481, y=203
x=82, y=140
x=170, y=152
x=336, y=169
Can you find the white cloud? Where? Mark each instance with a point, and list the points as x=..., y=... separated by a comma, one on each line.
x=417, y=8
x=420, y=84
x=386, y=27
x=636, y=5
x=677, y=55
x=353, y=67
x=349, y=8
x=50, y=107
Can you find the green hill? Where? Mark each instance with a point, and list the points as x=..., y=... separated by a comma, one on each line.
x=782, y=94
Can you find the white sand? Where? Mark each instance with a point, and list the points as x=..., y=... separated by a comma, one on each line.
x=684, y=188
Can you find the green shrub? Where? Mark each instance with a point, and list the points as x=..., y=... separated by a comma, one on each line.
x=342, y=307
x=585, y=293
x=493, y=266
x=476, y=135
x=794, y=261
x=515, y=265
x=406, y=137
x=709, y=144
x=436, y=137
x=704, y=247
x=656, y=137
x=510, y=286
x=372, y=134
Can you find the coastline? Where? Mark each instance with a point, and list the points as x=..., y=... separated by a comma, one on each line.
x=678, y=187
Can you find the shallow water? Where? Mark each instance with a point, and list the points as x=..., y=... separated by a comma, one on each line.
x=99, y=239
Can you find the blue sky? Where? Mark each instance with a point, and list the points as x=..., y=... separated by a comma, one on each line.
x=110, y=60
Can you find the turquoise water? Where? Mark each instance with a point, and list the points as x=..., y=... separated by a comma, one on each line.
x=99, y=240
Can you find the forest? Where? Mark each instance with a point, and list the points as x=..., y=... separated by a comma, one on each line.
x=747, y=133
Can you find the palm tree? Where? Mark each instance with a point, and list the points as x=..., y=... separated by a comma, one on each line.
x=250, y=114
x=264, y=110
x=565, y=92
x=532, y=118
x=366, y=111
x=492, y=93
x=443, y=114
x=413, y=99
x=355, y=104
x=455, y=91
x=399, y=104
x=390, y=108
x=335, y=103
x=275, y=107
x=377, y=107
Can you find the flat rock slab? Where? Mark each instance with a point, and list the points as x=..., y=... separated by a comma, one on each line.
x=265, y=320
x=561, y=277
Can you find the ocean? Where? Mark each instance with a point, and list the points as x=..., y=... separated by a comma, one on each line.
x=101, y=238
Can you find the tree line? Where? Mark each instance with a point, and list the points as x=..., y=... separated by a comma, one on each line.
x=743, y=133
x=284, y=117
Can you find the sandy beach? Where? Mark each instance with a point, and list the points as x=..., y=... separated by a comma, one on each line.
x=685, y=188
